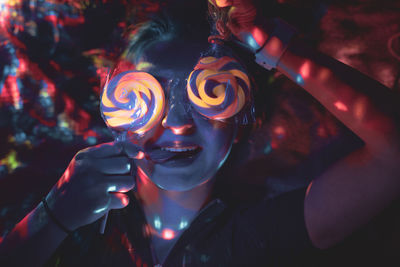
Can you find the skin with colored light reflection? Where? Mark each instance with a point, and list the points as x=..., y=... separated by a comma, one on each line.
x=172, y=191
x=366, y=180
x=182, y=127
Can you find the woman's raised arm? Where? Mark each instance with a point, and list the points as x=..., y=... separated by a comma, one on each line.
x=359, y=186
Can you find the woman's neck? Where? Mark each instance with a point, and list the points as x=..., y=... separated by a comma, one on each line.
x=169, y=213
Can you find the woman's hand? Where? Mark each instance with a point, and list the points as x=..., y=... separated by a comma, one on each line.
x=267, y=37
x=241, y=15
x=93, y=183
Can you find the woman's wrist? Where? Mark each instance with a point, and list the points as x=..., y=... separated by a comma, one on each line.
x=53, y=218
x=46, y=223
x=269, y=41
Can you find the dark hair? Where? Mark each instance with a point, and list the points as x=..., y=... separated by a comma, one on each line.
x=147, y=33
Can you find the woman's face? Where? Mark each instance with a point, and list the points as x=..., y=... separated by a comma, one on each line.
x=185, y=149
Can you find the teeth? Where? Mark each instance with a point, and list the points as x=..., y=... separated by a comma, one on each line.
x=174, y=149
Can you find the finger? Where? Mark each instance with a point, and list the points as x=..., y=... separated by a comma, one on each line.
x=224, y=3
x=221, y=3
x=118, y=201
x=103, y=223
x=120, y=184
x=131, y=150
x=101, y=151
x=117, y=165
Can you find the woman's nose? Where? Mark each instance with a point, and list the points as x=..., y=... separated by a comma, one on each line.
x=178, y=118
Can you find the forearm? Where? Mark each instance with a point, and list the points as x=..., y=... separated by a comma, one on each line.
x=32, y=241
x=365, y=106
x=359, y=186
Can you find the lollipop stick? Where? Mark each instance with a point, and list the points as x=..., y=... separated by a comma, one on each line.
x=103, y=223
x=103, y=219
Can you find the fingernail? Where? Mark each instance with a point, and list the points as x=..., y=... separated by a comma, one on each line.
x=111, y=188
x=140, y=155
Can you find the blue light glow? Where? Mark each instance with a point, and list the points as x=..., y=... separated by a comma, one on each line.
x=251, y=42
x=299, y=79
x=112, y=188
x=100, y=210
x=157, y=223
x=267, y=149
x=183, y=224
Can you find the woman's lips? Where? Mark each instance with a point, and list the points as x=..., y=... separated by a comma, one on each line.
x=175, y=151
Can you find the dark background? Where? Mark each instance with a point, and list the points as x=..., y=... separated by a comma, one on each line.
x=53, y=57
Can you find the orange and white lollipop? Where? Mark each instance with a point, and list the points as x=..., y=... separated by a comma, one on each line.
x=218, y=88
x=132, y=101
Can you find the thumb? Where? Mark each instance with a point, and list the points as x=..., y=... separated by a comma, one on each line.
x=131, y=150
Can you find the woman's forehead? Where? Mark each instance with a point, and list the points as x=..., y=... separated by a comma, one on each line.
x=172, y=57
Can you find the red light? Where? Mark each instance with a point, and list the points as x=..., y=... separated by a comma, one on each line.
x=52, y=19
x=177, y=130
x=274, y=46
x=168, y=234
x=259, y=36
x=124, y=200
x=65, y=178
x=22, y=65
x=9, y=93
x=360, y=107
x=180, y=130
x=340, y=106
x=51, y=89
x=121, y=196
x=140, y=155
x=305, y=69
x=22, y=228
x=274, y=145
x=279, y=130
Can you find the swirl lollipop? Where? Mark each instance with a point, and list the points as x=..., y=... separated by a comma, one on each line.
x=218, y=87
x=132, y=101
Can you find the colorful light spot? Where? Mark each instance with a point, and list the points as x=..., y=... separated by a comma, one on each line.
x=132, y=101
x=100, y=210
x=168, y=234
x=305, y=69
x=183, y=224
x=140, y=155
x=252, y=42
x=299, y=79
x=218, y=87
x=124, y=199
x=340, y=106
x=259, y=36
x=11, y=161
x=111, y=188
x=279, y=131
x=223, y=3
x=157, y=223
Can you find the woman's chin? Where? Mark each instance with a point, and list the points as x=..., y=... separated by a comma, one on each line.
x=179, y=179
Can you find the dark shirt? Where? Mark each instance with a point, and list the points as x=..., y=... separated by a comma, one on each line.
x=269, y=233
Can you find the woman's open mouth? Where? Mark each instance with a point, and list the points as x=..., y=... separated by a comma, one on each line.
x=173, y=154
